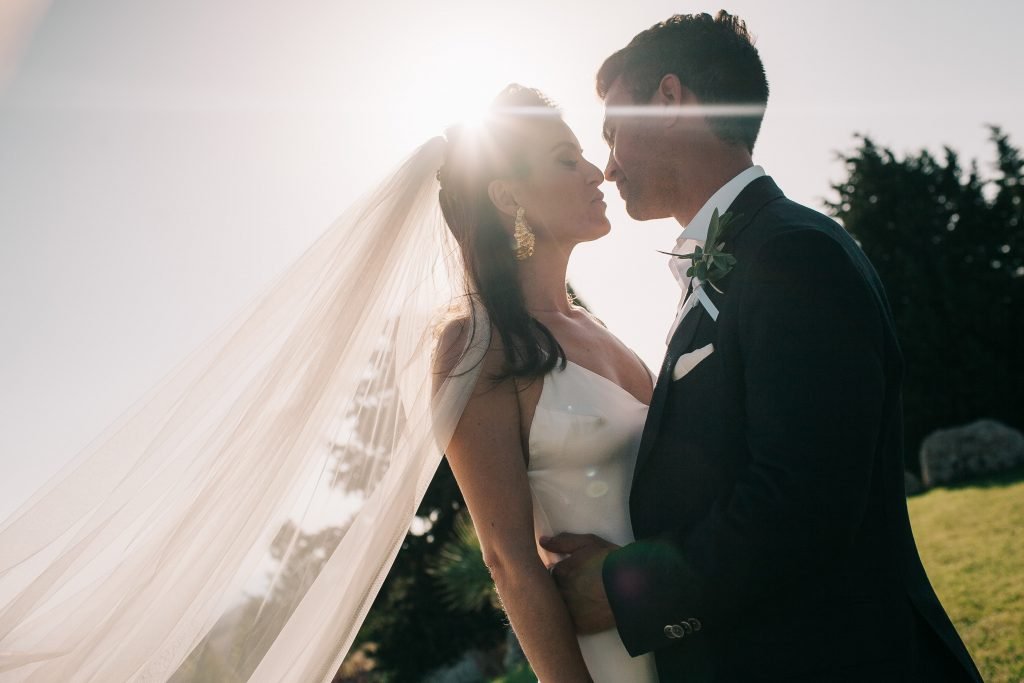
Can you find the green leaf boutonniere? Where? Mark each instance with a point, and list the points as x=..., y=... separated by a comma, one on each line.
x=709, y=263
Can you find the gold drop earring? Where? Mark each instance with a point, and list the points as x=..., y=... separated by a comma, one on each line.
x=524, y=237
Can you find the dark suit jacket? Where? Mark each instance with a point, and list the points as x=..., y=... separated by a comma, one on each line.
x=768, y=499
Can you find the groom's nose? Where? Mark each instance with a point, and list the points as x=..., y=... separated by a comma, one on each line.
x=612, y=171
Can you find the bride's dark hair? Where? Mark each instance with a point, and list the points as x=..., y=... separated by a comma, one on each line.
x=474, y=157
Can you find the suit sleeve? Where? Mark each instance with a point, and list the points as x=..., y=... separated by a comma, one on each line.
x=811, y=339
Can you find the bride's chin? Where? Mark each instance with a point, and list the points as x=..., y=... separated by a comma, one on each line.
x=599, y=230
x=593, y=229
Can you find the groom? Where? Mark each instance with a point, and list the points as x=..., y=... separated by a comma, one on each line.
x=768, y=501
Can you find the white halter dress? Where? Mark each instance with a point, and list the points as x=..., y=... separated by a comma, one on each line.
x=583, y=447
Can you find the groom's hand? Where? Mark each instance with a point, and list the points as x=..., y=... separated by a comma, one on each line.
x=579, y=579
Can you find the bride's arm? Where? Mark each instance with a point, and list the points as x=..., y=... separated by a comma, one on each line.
x=487, y=459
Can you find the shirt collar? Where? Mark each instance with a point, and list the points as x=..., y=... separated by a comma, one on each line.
x=697, y=229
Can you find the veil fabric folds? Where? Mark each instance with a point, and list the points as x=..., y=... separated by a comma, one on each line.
x=237, y=523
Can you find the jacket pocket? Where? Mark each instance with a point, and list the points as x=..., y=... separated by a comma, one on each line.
x=688, y=361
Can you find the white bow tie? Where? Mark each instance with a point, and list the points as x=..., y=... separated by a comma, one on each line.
x=679, y=266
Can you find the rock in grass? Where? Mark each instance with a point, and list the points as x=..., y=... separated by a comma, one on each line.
x=961, y=454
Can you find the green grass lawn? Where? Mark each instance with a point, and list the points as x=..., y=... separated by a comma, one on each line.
x=971, y=540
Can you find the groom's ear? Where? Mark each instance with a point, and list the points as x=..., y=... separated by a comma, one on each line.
x=672, y=93
x=669, y=92
x=503, y=197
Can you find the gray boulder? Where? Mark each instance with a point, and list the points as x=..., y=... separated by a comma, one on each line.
x=963, y=453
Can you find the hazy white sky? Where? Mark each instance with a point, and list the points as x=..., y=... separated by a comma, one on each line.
x=161, y=161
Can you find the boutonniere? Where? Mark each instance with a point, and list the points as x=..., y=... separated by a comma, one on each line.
x=710, y=263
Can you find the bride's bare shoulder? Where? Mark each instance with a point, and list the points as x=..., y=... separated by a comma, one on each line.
x=463, y=336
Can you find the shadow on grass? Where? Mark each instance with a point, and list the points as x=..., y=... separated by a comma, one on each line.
x=1001, y=480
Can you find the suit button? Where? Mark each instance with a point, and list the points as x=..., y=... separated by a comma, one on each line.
x=670, y=632
x=678, y=631
x=687, y=627
x=695, y=623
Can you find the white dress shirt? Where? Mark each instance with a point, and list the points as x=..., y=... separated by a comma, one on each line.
x=696, y=232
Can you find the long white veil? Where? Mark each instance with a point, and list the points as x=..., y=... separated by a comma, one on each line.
x=238, y=522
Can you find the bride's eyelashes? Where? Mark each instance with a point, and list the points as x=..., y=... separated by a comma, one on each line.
x=571, y=163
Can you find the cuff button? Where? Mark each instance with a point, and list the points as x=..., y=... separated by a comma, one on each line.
x=674, y=631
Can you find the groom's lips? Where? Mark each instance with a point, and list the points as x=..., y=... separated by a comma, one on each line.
x=598, y=198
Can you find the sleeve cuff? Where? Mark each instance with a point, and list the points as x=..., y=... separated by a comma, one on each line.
x=653, y=593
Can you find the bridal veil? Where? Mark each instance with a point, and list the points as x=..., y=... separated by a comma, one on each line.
x=237, y=523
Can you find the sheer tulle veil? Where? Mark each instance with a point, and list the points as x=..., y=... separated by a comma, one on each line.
x=237, y=523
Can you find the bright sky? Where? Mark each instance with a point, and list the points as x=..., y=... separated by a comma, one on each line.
x=161, y=161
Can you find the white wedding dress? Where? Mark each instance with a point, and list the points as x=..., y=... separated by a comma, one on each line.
x=583, y=446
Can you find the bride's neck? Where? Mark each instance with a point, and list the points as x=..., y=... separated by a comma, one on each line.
x=542, y=278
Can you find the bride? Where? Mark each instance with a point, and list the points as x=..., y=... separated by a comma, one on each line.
x=548, y=439
x=432, y=318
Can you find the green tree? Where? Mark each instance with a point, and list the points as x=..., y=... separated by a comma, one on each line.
x=411, y=623
x=947, y=246
x=460, y=572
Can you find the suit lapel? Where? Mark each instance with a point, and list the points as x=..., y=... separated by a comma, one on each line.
x=682, y=339
x=747, y=205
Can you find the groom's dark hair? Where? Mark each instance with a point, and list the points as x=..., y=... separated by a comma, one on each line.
x=714, y=57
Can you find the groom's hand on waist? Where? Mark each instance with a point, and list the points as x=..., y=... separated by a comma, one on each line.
x=578, y=577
